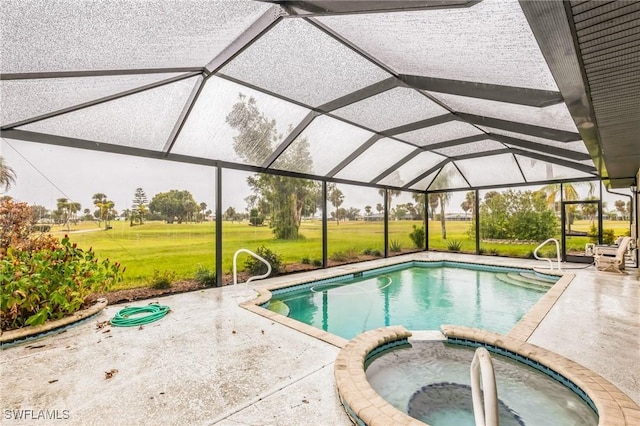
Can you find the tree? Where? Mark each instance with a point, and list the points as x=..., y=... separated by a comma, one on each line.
x=392, y=193
x=285, y=199
x=7, y=174
x=174, y=205
x=379, y=208
x=336, y=197
x=517, y=215
x=39, y=212
x=621, y=206
x=419, y=206
x=229, y=214
x=469, y=202
x=62, y=211
x=100, y=201
x=139, y=206
x=367, y=210
x=203, y=208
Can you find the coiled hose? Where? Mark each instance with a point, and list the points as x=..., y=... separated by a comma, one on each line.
x=134, y=316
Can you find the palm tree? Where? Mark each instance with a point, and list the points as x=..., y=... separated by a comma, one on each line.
x=7, y=174
x=337, y=198
x=569, y=193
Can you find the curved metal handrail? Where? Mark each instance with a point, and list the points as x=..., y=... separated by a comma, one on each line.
x=485, y=414
x=255, y=277
x=535, y=253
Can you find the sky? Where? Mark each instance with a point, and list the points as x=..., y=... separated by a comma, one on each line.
x=46, y=173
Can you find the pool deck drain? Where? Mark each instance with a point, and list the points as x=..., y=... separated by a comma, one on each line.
x=212, y=362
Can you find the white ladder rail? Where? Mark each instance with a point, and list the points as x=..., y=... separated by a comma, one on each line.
x=255, y=277
x=535, y=253
x=485, y=414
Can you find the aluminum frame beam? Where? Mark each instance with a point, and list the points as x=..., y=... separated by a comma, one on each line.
x=578, y=156
x=493, y=92
x=527, y=129
x=349, y=7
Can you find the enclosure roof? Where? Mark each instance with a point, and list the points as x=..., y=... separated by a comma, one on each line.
x=415, y=95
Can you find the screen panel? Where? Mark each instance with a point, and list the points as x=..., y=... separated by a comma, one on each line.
x=391, y=109
x=375, y=160
x=143, y=120
x=234, y=123
x=440, y=133
x=303, y=63
x=489, y=42
x=131, y=35
x=22, y=99
x=321, y=146
x=505, y=170
x=554, y=116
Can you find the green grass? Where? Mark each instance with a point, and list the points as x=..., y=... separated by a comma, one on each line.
x=181, y=248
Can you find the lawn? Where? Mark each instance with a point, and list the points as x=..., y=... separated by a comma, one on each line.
x=181, y=248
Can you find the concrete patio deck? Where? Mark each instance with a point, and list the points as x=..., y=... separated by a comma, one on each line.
x=212, y=362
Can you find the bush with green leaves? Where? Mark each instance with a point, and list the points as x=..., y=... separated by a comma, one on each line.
x=162, y=280
x=205, y=277
x=395, y=246
x=338, y=256
x=50, y=280
x=316, y=262
x=256, y=267
x=454, y=245
x=418, y=236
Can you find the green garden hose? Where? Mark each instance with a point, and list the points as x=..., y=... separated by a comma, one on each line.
x=131, y=317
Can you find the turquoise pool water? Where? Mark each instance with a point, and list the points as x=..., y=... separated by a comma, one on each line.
x=430, y=382
x=419, y=296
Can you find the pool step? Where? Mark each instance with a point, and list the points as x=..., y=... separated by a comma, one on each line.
x=528, y=279
x=532, y=275
x=509, y=278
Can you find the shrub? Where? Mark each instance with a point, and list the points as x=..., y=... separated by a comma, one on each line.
x=40, y=228
x=338, y=256
x=395, y=246
x=49, y=280
x=205, y=277
x=16, y=223
x=417, y=236
x=306, y=261
x=317, y=262
x=454, y=245
x=367, y=252
x=161, y=281
x=351, y=253
x=256, y=267
x=376, y=253
x=608, y=236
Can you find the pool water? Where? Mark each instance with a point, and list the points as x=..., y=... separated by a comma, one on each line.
x=416, y=297
x=430, y=381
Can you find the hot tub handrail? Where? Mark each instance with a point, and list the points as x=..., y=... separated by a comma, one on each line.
x=535, y=253
x=485, y=414
x=255, y=277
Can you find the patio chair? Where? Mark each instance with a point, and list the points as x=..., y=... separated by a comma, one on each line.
x=608, y=260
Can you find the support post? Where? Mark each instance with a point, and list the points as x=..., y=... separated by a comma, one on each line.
x=324, y=224
x=476, y=214
x=219, y=227
x=386, y=223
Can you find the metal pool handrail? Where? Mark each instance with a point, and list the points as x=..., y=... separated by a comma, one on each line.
x=535, y=253
x=481, y=365
x=255, y=277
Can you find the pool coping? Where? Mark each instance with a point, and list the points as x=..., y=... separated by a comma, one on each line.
x=366, y=407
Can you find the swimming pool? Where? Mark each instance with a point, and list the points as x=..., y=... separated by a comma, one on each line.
x=417, y=295
x=429, y=380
